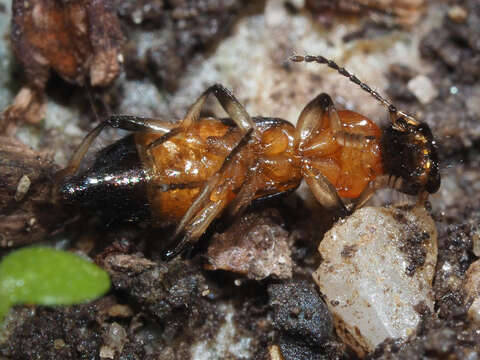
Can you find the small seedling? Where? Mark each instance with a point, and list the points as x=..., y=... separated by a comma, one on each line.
x=45, y=276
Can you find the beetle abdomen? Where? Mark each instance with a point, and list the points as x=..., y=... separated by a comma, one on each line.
x=114, y=187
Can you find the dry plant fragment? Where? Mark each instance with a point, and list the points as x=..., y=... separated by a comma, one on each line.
x=77, y=39
x=24, y=187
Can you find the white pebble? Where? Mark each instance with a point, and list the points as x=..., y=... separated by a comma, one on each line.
x=107, y=352
x=367, y=276
x=422, y=88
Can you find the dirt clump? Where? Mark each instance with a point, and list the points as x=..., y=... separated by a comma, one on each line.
x=256, y=246
x=302, y=320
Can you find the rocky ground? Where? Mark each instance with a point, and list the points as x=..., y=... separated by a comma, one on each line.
x=260, y=300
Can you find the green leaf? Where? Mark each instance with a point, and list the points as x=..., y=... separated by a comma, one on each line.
x=45, y=276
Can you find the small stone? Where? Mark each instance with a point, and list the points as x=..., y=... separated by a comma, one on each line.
x=299, y=312
x=457, y=14
x=423, y=89
x=274, y=353
x=121, y=311
x=107, y=352
x=255, y=246
x=116, y=337
x=378, y=287
x=58, y=344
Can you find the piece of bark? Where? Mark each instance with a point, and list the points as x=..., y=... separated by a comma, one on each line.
x=26, y=208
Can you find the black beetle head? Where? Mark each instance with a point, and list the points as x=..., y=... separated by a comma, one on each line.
x=410, y=153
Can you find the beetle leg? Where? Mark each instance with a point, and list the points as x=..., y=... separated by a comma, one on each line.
x=309, y=122
x=77, y=157
x=236, y=207
x=311, y=119
x=198, y=226
x=244, y=197
x=140, y=124
x=343, y=137
x=323, y=190
x=205, y=209
x=229, y=103
x=124, y=122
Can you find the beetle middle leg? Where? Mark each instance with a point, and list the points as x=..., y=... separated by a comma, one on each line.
x=212, y=199
x=320, y=133
x=309, y=122
x=229, y=103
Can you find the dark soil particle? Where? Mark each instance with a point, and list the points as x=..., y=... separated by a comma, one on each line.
x=457, y=223
x=58, y=333
x=437, y=339
x=455, y=245
x=294, y=349
x=170, y=292
x=349, y=251
x=301, y=317
x=413, y=243
x=455, y=48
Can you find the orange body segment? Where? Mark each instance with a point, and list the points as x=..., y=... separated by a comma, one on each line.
x=349, y=167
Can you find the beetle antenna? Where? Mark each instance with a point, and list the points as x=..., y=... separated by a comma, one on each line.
x=392, y=109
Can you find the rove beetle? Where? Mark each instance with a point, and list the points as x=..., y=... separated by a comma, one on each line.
x=190, y=172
